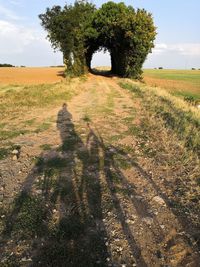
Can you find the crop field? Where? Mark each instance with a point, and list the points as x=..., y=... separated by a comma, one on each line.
x=97, y=171
x=183, y=83
x=30, y=75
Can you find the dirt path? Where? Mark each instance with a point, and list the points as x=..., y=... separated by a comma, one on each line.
x=103, y=193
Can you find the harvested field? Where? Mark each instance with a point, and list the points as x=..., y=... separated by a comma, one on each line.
x=178, y=82
x=30, y=75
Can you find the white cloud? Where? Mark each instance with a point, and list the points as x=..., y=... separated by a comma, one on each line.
x=8, y=14
x=14, y=37
x=15, y=2
x=185, y=49
x=24, y=45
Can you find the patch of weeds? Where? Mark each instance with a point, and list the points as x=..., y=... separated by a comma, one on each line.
x=114, y=177
x=124, y=190
x=43, y=127
x=83, y=78
x=83, y=155
x=11, y=134
x=149, y=152
x=134, y=130
x=48, y=180
x=188, y=97
x=4, y=152
x=132, y=88
x=86, y=118
x=122, y=162
x=198, y=181
x=115, y=137
x=2, y=125
x=129, y=119
x=39, y=161
x=57, y=163
x=124, y=106
x=31, y=217
x=107, y=110
x=46, y=147
x=191, y=99
x=125, y=149
x=69, y=144
x=29, y=122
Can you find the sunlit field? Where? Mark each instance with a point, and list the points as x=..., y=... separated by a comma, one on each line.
x=183, y=83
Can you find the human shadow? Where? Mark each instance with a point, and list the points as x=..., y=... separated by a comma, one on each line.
x=59, y=217
x=114, y=178
x=58, y=213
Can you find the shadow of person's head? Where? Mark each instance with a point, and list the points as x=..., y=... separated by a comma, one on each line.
x=64, y=123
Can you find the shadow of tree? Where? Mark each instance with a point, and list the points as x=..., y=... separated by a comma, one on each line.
x=99, y=72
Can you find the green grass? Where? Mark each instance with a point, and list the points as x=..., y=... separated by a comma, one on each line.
x=133, y=88
x=176, y=75
x=29, y=122
x=46, y=147
x=5, y=134
x=86, y=118
x=4, y=152
x=192, y=98
x=182, y=83
x=43, y=127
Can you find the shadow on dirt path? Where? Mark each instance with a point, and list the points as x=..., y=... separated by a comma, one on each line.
x=58, y=215
x=77, y=207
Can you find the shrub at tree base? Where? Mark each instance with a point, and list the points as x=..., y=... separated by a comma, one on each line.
x=81, y=29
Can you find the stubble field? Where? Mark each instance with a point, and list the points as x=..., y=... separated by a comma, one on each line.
x=30, y=75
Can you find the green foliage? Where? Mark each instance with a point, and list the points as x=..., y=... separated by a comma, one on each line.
x=80, y=30
x=128, y=35
x=67, y=29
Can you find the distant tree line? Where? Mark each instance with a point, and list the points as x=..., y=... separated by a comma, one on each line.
x=6, y=65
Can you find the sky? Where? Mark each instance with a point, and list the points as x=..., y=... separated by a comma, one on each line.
x=177, y=45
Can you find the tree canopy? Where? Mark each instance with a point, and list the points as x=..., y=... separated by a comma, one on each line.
x=81, y=29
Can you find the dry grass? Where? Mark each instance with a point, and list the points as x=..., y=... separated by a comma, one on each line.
x=30, y=108
x=178, y=115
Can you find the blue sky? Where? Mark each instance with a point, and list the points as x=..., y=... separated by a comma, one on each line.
x=22, y=40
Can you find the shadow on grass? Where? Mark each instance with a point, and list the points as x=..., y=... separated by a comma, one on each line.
x=58, y=219
x=105, y=73
x=61, y=74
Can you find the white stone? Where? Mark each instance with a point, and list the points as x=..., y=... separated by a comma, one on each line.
x=14, y=158
x=148, y=220
x=159, y=200
x=15, y=152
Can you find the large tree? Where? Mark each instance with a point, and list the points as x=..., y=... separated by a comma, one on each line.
x=81, y=29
